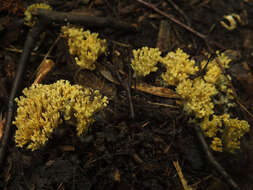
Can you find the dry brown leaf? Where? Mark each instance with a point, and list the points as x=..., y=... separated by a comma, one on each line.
x=116, y=175
x=2, y=124
x=157, y=91
x=165, y=36
x=67, y=148
x=44, y=68
x=90, y=79
x=154, y=90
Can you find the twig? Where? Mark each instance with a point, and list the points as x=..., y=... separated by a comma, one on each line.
x=202, y=36
x=126, y=85
x=46, y=65
x=88, y=21
x=238, y=101
x=13, y=49
x=190, y=29
x=29, y=44
x=213, y=161
x=174, y=5
x=129, y=93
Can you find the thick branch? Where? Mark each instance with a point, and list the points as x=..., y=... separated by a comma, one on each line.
x=78, y=18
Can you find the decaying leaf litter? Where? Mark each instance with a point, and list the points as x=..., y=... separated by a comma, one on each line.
x=137, y=141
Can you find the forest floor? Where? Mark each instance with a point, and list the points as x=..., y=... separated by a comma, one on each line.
x=142, y=138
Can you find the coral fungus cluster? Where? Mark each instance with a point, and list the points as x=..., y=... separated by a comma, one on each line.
x=145, y=60
x=86, y=46
x=197, y=96
x=44, y=107
x=200, y=93
x=230, y=130
x=178, y=67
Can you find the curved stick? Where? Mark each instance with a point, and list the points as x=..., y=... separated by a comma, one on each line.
x=29, y=44
x=213, y=161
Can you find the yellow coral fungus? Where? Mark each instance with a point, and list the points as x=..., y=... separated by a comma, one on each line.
x=224, y=60
x=197, y=96
x=43, y=107
x=178, y=67
x=202, y=94
x=234, y=130
x=215, y=76
x=29, y=20
x=216, y=144
x=211, y=127
x=214, y=72
x=86, y=46
x=227, y=130
x=145, y=60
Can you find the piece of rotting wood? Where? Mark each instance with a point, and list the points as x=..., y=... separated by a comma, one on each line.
x=164, y=36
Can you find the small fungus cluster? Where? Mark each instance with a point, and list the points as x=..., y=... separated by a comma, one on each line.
x=197, y=97
x=178, y=67
x=202, y=89
x=145, y=60
x=230, y=130
x=44, y=107
x=29, y=19
x=86, y=46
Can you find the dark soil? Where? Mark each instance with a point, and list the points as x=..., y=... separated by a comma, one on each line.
x=128, y=149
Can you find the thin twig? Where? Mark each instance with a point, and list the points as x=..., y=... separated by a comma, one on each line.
x=51, y=48
x=13, y=49
x=202, y=36
x=178, y=9
x=46, y=65
x=29, y=44
x=125, y=84
x=129, y=93
x=238, y=101
x=88, y=21
x=213, y=161
x=188, y=28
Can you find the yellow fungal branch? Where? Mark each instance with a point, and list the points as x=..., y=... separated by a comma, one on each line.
x=145, y=60
x=86, y=46
x=178, y=67
x=43, y=108
x=234, y=130
x=29, y=19
x=224, y=131
x=216, y=144
x=197, y=97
